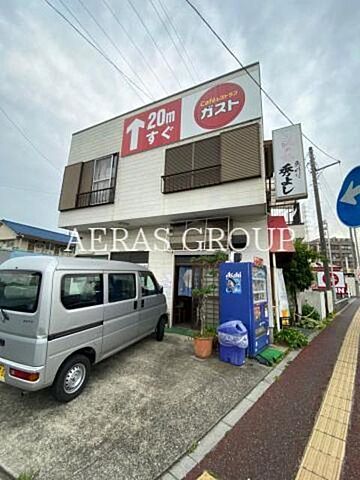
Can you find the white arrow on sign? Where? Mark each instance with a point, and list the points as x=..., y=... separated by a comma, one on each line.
x=351, y=194
x=133, y=129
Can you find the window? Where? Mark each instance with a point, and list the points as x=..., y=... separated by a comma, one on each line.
x=149, y=285
x=19, y=290
x=102, y=173
x=122, y=286
x=81, y=290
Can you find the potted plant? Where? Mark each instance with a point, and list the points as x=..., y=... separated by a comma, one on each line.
x=204, y=339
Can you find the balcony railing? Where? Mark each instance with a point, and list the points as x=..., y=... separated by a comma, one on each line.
x=201, y=177
x=96, y=197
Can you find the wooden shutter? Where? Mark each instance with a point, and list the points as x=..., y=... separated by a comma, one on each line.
x=178, y=167
x=207, y=159
x=70, y=187
x=87, y=174
x=240, y=153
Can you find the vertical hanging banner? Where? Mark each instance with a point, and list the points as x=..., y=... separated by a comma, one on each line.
x=289, y=164
x=230, y=100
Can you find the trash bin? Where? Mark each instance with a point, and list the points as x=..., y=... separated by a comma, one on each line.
x=233, y=341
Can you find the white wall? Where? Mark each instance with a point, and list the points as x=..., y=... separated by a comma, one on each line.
x=317, y=300
x=138, y=189
x=6, y=233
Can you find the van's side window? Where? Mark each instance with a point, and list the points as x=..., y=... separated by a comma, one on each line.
x=81, y=290
x=149, y=285
x=122, y=286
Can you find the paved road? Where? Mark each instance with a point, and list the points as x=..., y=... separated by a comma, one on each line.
x=269, y=441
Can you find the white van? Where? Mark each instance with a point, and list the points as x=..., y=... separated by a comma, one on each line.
x=60, y=315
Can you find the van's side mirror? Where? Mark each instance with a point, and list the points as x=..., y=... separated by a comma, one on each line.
x=161, y=289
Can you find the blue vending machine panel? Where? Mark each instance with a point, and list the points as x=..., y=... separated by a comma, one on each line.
x=243, y=296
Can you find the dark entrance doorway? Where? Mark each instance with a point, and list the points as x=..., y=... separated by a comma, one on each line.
x=189, y=274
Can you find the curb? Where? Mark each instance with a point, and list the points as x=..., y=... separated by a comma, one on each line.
x=188, y=461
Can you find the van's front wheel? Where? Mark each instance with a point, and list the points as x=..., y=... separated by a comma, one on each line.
x=160, y=329
x=71, y=378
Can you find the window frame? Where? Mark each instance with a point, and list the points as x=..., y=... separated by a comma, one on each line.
x=36, y=303
x=87, y=274
x=108, y=274
x=152, y=276
x=109, y=179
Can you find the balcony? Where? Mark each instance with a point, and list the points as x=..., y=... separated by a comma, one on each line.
x=95, y=197
x=201, y=177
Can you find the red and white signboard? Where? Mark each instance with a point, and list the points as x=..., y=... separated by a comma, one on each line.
x=224, y=103
x=337, y=279
x=153, y=128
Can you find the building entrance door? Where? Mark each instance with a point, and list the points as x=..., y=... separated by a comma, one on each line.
x=190, y=275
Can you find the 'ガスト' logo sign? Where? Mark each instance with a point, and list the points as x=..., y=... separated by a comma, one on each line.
x=219, y=106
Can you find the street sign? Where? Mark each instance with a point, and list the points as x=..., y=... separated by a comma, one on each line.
x=348, y=202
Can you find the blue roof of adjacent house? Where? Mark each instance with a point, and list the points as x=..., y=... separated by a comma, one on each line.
x=36, y=233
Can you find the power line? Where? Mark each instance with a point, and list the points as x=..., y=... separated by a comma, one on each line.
x=172, y=40
x=128, y=80
x=116, y=48
x=180, y=39
x=267, y=95
x=129, y=37
x=68, y=9
x=154, y=41
x=24, y=135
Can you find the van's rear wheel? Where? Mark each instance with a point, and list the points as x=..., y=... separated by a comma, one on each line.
x=160, y=329
x=71, y=378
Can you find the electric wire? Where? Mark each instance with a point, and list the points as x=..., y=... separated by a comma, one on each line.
x=180, y=39
x=158, y=48
x=136, y=88
x=267, y=95
x=116, y=48
x=27, y=138
x=166, y=28
x=129, y=37
x=68, y=9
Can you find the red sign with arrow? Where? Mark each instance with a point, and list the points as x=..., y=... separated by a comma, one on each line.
x=152, y=128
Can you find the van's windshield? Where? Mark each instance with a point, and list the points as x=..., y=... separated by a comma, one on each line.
x=19, y=290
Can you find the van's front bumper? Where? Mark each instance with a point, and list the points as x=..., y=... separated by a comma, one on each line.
x=19, y=382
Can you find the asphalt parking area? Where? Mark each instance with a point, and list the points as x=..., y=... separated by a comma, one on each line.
x=142, y=409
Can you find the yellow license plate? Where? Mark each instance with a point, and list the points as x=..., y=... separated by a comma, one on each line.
x=2, y=373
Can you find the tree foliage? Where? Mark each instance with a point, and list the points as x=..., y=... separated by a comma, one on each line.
x=298, y=273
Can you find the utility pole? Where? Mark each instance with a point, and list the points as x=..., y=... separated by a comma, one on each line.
x=333, y=288
x=314, y=171
x=352, y=232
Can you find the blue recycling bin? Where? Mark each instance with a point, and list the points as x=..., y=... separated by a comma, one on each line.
x=233, y=342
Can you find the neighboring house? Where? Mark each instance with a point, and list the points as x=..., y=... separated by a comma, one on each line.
x=341, y=252
x=192, y=161
x=17, y=236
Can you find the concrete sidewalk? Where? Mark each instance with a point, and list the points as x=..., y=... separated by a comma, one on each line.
x=270, y=439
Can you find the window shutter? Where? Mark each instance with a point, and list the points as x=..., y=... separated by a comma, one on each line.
x=70, y=187
x=178, y=166
x=207, y=158
x=87, y=174
x=240, y=153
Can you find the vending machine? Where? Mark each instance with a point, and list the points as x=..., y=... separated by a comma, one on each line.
x=243, y=296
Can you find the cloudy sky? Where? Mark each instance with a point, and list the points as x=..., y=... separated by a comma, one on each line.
x=52, y=83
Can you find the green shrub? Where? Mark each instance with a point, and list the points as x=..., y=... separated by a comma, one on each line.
x=310, y=312
x=291, y=337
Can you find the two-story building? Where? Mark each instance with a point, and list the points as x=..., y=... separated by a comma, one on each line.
x=187, y=167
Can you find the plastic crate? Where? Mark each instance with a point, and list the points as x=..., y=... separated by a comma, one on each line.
x=233, y=355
